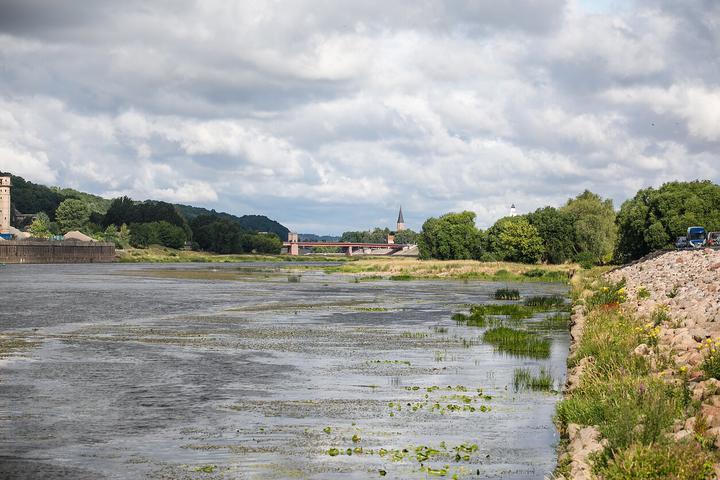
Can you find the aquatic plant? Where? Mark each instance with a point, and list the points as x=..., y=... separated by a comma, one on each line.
x=518, y=342
x=524, y=378
x=506, y=294
x=558, y=321
x=545, y=302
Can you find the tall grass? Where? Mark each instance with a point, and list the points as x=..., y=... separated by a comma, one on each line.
x=506, y=294
x=524, y=378
x=545, y=302
x=517, y=342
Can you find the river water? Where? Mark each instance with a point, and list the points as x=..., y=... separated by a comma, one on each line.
x=258, y=371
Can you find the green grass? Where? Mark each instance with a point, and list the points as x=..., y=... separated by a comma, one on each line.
x=517, y=342
x=665, y=460
x=524, y=378
x=633, y=407
x=506, y=294
x=545, y=302
x=402, y=277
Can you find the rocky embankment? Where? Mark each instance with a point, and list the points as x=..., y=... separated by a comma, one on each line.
x=678, y=293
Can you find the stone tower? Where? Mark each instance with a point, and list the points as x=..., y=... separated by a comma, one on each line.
x=5, y=187
x=400, y=222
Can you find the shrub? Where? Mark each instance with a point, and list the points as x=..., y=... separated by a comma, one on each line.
x=660, y=315
x=534, y=273
x=507, y=294
x=643, y=293
x=586, y=260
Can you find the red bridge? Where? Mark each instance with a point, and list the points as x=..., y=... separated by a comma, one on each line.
x=293, y=246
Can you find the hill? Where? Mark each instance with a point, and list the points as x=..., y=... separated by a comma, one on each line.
x=29, y=197
x=254, y=223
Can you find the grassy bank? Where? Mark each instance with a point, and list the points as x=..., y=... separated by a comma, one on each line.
x=157, y=254
x=624, y=395
x=456, y=269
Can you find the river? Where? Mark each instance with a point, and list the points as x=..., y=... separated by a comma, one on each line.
x=261, y=371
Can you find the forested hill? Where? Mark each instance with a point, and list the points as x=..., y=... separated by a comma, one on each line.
x=255, y=223
x=29, y=197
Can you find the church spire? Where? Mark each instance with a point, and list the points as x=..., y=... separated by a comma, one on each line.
x=400, y=221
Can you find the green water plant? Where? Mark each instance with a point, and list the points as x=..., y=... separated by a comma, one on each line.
x=525, y=378
x=507, y=294
x=518, y=342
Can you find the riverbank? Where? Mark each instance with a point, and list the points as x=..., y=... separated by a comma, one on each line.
x=156, y=254
x=456, y=270
x=640, y=401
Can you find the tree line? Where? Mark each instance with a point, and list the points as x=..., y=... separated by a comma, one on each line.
x=587, y=229
x=141, y=224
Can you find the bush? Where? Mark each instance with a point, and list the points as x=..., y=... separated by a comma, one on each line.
x=586, y=260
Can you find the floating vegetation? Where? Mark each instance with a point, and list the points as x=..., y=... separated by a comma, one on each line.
x=439, y=329
x=524, y=378
x=518, y=342
x=507, y=294
x=440, y=356
x=294, y=278
x=327, y=429
x=512, y=311
x=390, y=362
x=367, y=278
x=545, y=302
x=413, y=335
x=371, y=309
x=206, y=469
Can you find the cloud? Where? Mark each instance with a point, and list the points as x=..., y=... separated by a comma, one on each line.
x=329, y=115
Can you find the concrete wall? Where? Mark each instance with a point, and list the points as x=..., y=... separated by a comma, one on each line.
x=38, y=251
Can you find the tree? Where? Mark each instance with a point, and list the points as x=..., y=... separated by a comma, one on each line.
x=450, y=237
x=40, y=227
x=514, y=239
x=72, y=214
x=557, y=231
x=406, y=236
x=654, y=218
x=594, y=226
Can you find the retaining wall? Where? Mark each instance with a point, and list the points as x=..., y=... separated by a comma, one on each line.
x=68, y=251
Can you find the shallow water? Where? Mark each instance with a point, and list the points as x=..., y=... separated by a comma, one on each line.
x=237, y=371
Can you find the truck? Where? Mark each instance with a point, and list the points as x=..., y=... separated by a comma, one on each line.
x=696, y=237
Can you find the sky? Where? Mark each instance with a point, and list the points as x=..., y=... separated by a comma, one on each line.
x=327, y=115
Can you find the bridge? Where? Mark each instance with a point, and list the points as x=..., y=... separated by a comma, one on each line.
x=293, y=246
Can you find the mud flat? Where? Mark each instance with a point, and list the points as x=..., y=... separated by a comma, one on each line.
x=257, y=371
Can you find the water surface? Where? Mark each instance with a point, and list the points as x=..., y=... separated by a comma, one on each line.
x=258, y=371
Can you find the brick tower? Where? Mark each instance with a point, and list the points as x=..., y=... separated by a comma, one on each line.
x=5, y=187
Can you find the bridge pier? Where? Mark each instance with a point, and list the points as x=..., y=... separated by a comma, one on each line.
x=294, y=249
x=349, y=251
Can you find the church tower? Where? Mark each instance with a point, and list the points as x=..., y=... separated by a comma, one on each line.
x=5, y=187
x=400, y=222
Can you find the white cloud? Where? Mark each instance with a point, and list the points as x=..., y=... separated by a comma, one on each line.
x=341, y=111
